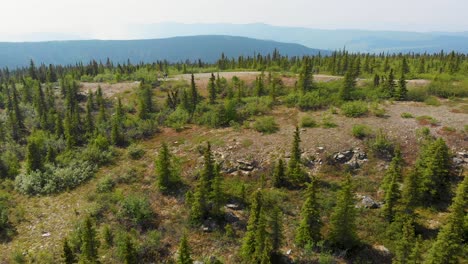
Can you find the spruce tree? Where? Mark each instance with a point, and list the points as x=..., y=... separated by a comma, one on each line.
x=349, y=85
x=89, y=243
x=295, y=173
x=392, y=194
x=342, y=221
x=405, y=243
x=34, y=152
x=102, y=115
x=262, y=245
x=449, y=243
x=279, y=174
x=433, y=166
x=145, y=98
x=310, y=225
x=164, y=169
x=259, y=86
x=276, y=229
x=194, y=97
x=389, y=85
x=402, y=92
x=116, y=135
x=376, y=80
x=391, y=185
x=212, y=89
x=68, y=256
x=128, y=251
x=249, y=241
x=411, y=192
x=306, y=78
x=184, y=251
x=89, y=119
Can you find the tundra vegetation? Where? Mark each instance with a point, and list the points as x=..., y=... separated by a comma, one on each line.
x=137, y=175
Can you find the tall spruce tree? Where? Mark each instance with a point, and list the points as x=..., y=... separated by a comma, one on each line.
x=389, y=85
x=184, y=251
x=277, y=236
x=194, y=97
x=89, y=243
x=406, y=241
x=343, y=219
x=250, y=240
x=128, y=252
x=306, y=78
x=279, y=174
x=296, y=175
x=448, y=246
x=401, y=93
x=310, y=225
x=433, y=168
x=68, y=256
x=212, y=89
x=164, y=169
x=349, y=84
x=89, y=118
x=145, y=98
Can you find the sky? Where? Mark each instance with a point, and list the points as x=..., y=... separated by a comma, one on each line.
x=105, y=19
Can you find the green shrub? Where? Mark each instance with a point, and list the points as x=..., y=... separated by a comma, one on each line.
x=361, y=131
x=354, y=109
x=406, y=115
x=106, y=184
x=266, y=125
x=327, y=122
x=178, y=118
x=308, y=121
x=136, y=212
x=54, y=179
x=135, y=152
x=417, y=94
x=311, y=101
x=381, y=146
x=256, y=106
x=377, y=110
x=432, y=100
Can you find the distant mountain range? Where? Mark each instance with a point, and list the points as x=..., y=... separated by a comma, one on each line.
x=353, y=40
x=207, y=48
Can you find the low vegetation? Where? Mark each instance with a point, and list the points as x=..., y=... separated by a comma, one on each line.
x=171, y=168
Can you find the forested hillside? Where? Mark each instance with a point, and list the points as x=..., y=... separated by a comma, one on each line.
x=344, y=158
x=176, y=49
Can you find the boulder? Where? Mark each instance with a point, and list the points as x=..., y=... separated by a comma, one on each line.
x=367, y=202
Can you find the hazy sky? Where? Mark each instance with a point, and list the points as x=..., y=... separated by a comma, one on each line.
x=105, y=18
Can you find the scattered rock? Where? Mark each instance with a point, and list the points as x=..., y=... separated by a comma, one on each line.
x=385, y=251
x=46, y=234
x=233, y=206
x=367, y=202
x=460, y=159
x=354, y=158
x=245, y=165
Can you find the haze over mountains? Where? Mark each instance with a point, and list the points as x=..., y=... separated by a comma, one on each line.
x=178, y=42
x=353, y=40
x=207, y=48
